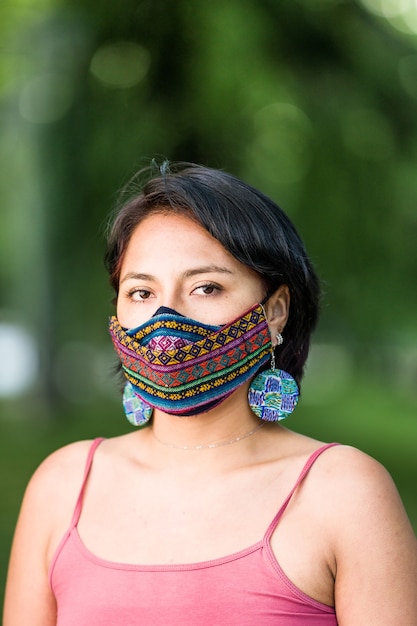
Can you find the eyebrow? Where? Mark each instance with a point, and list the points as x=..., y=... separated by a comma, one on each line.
x=205, y=269
x=136, y=276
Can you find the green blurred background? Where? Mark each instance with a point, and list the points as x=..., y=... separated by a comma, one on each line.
x=312, y=101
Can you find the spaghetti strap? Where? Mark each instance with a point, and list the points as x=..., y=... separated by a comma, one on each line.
x=89, y=462
x=77, y=510
x=310, y=462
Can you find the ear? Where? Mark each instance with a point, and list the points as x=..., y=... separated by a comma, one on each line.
x=277, y=309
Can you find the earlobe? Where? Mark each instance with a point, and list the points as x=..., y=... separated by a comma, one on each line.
x=277, y=310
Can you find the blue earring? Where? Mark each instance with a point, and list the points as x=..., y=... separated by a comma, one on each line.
x=137, y=411
x=273, y=394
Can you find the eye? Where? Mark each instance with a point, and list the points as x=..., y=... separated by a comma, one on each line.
x=207, y=290
x=137, y=295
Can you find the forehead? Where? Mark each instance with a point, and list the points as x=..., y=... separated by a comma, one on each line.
x=169, y=242
x=171, y=234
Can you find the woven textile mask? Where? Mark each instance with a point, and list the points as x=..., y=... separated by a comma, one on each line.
x=184, y=367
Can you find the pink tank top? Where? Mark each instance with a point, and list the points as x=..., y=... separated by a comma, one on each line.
x=247, y=588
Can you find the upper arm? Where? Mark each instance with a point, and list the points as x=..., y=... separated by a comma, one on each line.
x=45, y=511
x=375, y=549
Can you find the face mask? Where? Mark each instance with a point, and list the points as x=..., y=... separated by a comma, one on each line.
x=184, y=367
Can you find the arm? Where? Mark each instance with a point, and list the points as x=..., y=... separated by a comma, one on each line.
x=44, y=517
x=375, y=548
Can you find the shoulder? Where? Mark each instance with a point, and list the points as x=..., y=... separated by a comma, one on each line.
x=340, y=477
x=373, y=548
x=60, y=476
x=352, y=498
x=53, y=489
x=359, y=504
x=350, y=473
x=350, y=478
x=65, y=464
x=45, y=515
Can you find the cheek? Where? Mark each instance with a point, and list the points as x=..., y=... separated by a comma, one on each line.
x=125, y=314
x=255, y=290
x=122, y=315
x=133, y=314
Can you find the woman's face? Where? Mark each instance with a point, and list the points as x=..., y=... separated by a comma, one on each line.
x=172, y=261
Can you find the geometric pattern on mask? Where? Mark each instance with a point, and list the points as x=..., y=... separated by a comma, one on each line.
x=195, y=379
x=167, y=342
x=214, y=365
x=213, y=341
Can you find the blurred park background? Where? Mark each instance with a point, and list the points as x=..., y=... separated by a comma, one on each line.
x=312, y=101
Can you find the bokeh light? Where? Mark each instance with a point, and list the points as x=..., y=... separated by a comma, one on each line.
x=120, y=65
x=19, y=362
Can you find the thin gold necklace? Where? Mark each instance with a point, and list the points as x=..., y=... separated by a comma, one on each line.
x=228, y=442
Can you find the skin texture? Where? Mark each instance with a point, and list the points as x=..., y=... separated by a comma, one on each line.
x=345, y=539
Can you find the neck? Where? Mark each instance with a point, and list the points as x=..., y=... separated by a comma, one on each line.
x=212, y=444
x=231, y=424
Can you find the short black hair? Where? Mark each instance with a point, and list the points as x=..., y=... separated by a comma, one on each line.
x=249, y=225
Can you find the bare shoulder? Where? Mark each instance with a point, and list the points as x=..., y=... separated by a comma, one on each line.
x=341, y=474
x=355, y=485
x=53, y=489
x=350, y=475
x=373, y=548
x=65, y=464
x=45, y=514
x=354, y=499
x=351, y=463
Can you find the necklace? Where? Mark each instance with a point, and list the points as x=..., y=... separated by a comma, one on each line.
x=228, y=442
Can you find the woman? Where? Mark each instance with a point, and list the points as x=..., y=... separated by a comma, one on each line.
x=212, y=512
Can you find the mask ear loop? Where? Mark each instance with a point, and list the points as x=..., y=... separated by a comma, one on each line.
x=274, y=393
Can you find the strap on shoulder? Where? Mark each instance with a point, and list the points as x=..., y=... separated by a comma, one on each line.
x=89, y=462
x=307, y=467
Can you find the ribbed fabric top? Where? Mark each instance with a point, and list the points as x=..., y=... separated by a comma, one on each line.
x=247, y=588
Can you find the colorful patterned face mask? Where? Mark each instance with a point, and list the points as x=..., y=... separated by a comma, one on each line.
x=184, y=367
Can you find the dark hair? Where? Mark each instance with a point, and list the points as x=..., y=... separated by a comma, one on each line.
x=247, y=223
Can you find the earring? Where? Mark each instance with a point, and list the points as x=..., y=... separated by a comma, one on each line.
x=137, y=411
x=273, y=394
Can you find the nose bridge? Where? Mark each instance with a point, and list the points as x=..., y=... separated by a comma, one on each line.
x=171, y=299
x=164, y=310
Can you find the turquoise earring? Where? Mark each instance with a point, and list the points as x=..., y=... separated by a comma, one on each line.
x=137, y=411
x=273, y=394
